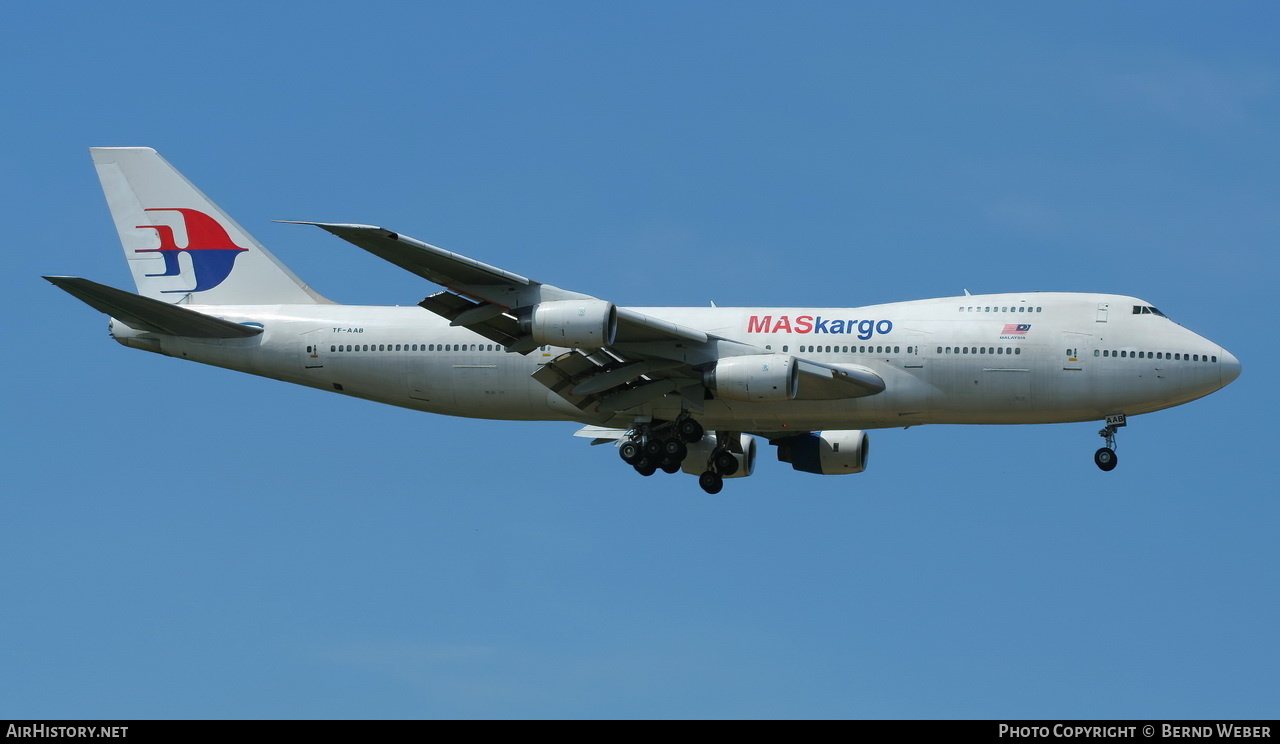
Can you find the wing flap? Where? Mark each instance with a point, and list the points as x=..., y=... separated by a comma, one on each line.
x=634, y=396
x=475, y=316
x=560, y=374
x=598, y=383
x=147, y=314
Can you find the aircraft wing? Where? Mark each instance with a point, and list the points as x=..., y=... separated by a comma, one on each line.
x=481, y=292
x=458, y=273
x=648, y=359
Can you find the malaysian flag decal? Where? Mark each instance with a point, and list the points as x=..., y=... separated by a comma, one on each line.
x=1015, y=329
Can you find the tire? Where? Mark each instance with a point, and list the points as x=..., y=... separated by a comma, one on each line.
x=669, y=466
x=1105, y=459
x=726, y=463
x=630, y=452
x=652, y=447
x=690, y=431
x=711, y=482
x=675, y=449
x=646, y=467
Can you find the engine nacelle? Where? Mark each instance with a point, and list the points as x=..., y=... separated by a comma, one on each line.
x=826, y=452
x=758, y=377
x=695, y=463
x=574, y=324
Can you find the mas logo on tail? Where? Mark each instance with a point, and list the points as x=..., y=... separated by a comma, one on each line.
x=210, y=247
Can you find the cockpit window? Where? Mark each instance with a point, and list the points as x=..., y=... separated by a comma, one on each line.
x=1147, y=310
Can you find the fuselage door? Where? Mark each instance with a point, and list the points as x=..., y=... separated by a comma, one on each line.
x=310, y=348
x=1103, y=307
x=914, y=358
x=1072, y=350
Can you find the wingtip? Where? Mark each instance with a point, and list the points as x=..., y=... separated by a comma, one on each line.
x=331, y=225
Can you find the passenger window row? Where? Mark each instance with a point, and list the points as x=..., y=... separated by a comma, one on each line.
x=1126, y=354
x=1001, y=309
x=979, y=350
x=851, y=349
x=414, y=347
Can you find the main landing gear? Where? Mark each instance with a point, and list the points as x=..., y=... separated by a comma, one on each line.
x=664, y=445
x=1105, y=458
x=654, y=446
x=721, y=463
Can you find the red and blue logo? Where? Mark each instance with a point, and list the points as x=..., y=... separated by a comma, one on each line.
x=212, y=252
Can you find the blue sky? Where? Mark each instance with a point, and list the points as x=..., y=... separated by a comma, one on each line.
x=183, y=541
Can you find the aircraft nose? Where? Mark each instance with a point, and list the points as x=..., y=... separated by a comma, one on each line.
x=1228, y=366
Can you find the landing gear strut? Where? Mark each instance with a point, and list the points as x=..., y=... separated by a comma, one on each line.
x=721, y=464
x=1105, y=458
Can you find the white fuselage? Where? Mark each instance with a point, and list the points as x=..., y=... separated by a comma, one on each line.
x=1037, y=357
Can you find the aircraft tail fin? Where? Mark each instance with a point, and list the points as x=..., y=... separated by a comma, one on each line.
x=181, y=248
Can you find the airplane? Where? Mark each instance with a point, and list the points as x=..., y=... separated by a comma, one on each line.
x=672, y=388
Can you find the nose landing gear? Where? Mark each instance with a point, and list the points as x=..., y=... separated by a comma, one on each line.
x=1105, y=458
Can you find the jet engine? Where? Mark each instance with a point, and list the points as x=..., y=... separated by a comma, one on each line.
x=826, y=452
x=757, y=377
x=574, y=324
x=695, y=463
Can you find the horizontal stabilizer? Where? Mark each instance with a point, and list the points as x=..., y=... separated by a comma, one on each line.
x=601, y=434
x=147, y=314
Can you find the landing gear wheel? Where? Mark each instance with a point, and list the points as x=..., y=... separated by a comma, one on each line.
x=630, y=452
x=645, y=466
x=689, y=430
x=1105, y=459
x=653, y=447
x=725, y=463
x=711, y=482
x=675, y=449
x=670, y=466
